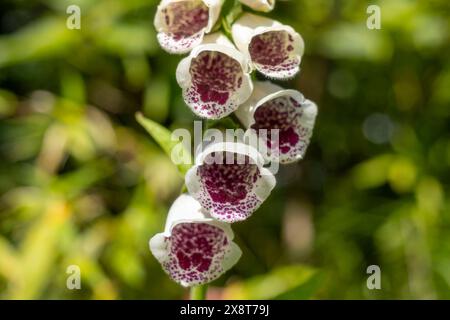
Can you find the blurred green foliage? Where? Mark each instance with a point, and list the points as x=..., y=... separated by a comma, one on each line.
x=82, y=183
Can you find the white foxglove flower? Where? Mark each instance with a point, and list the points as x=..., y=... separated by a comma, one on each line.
x=181, y=24
x=229, y=180
x=274, y=49
x=272, y=107
x=194, y=249
x=215, y=78
x=260, y=5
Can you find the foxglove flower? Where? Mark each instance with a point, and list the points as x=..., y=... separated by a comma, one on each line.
x=181, y=24
x=272, y=107
x=215, y=78
x=229, y=180
x=194, y=249
x=260, y=5
x=274, y=49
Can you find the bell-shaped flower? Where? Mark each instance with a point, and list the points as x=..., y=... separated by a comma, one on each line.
x=214, y=78
x=194, y=249
x=229, y=180
x=274, y=49
x=273, y=108
x=260, y=5
x=182, y=24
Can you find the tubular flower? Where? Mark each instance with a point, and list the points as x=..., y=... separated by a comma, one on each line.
x=181, y=24
x=229, y=181
x=194, y=249
x=274, y=49
x=214, y=78
x=260, y=5
x=271, y=107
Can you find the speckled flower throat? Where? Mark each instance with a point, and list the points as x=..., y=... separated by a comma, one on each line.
x=195, y=252
x=273, y=51
x=228, y=187
x=284, y=114
x=215, y=77
x=186, y=18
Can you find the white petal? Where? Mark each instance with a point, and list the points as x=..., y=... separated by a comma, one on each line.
x=182, y=73
x=260, y=5
x=232, y=257
x=280, y=60
x=158, y=247
x=232, y=147
x=267, y=184
x=215, y=6
x=186, y=209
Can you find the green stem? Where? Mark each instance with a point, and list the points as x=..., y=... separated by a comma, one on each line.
x=199, y=292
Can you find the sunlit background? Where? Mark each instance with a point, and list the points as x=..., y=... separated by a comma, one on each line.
x=81, y=183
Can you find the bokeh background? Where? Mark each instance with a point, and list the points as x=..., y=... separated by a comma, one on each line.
x=81, y=183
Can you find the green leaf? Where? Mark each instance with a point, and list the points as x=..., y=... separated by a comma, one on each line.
x=296, y=282
x=304, y=290
x=163, y=138
x=232, y=11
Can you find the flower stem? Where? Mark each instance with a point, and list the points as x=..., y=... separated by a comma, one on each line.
x=199, y=292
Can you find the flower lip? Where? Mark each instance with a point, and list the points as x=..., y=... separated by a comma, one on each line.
x=272, y=48
x=230, y=147
x=215, y=78
x=272, y=107
x=194, y=248
x=229, y=191
x=182, y=24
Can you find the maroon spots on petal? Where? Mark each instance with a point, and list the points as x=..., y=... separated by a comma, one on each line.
x=283, y=113
x=269, y=48
x=183, y=260
x=216, y=77
x=196, y=252
x=185, y=18
x=273, y=52
x=180, y=46
x=210, y=95
x=228, y=189
x=228, y=183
